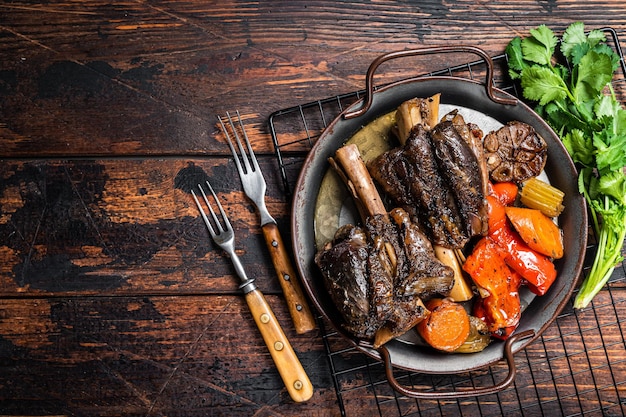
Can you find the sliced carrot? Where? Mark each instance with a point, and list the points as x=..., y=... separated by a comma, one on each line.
x=537, y=230
x=446, y=327
x=506, y=192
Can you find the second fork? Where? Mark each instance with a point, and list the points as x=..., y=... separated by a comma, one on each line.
x=254, y=187
x=289, y=366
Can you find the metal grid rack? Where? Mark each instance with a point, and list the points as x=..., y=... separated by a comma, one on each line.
x=577, y=366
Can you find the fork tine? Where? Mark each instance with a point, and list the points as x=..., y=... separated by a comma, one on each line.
x=221, y=228
x=203, y=213
x=206, y=200
x=248, y=145
x=246, y=157
x=219, y=206
x=230, y=145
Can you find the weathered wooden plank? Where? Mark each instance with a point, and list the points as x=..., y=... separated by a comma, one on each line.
x=126, y=226
x=150, y=80
x=147, y=355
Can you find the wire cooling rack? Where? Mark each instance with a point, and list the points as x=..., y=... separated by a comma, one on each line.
x=578, y=365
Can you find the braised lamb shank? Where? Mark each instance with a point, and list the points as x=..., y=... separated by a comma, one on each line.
x=373, y=288
x=438, y=179
x=378, y=274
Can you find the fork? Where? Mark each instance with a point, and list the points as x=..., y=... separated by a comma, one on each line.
x=254, y=186
x=289, y=367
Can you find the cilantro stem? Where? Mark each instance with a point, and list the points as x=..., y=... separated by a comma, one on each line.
x=608, y=254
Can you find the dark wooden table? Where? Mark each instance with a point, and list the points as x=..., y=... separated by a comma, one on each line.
x=113, y=301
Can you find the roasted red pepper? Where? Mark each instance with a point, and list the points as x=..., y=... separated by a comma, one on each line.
x=537, y=269
x=506, y=192
x=502, y=333
x=500, y=263
x=499, y=306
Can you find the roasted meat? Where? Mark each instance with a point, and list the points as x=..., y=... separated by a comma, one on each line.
x=410, y=177
x=473, y=135
x=378, y=274
x=438, y=179
x=460, y=170
x=515, y=152
x=418, y=272
x=343, y=263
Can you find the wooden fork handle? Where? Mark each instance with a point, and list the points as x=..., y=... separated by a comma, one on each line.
x=299, y=309
x=289, y=367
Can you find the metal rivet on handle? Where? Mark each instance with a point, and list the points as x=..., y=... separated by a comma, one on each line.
x=265, y=318
x=298, y=384
x=279, y=345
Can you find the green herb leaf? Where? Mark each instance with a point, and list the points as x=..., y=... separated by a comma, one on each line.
x=515, y=58
x=542, y=85
x=585, y=178
x=539, y=47
x=592, y=126
x=608, y=51
x=610, y=150
x=577, y=53
x=595, y=71
x=579, y=147
x=574, y=38
x=614, y=184
x=613, y=215
x=606, y=107
x=596, y=37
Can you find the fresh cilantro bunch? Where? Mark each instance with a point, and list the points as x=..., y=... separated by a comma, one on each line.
x=578, y=101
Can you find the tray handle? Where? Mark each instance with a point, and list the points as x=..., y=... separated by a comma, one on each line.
x=369, y=78
x=471, y=392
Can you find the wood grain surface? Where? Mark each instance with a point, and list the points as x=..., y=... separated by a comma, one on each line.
x=113, y=300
